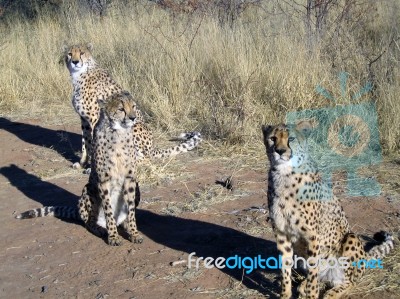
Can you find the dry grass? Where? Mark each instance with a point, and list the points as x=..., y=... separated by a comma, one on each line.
x=376, y=281
x=192, y=72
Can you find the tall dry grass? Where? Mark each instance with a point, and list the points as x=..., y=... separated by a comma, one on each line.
x=190, y=71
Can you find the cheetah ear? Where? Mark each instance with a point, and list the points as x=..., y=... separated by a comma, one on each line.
x=127, y=94
x=64, y=50
x=305, y=127
x=266, y=129
x=89, y=46
x=61, y=60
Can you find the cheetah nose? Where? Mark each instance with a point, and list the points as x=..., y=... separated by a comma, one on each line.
x=75, y=62
x=280, y=151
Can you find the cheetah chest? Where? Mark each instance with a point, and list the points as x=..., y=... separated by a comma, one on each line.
x=285, y=217
x=119, y=206
x=120, y=158
x=284, y=208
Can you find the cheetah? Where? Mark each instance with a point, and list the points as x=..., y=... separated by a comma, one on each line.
x=143, y=137
x=304, y=211
x=110, y=197
x=90, y=83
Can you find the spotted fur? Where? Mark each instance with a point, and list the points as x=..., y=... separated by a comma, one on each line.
x=303, y=210
x=108, y=199
x=91, y=83
x=143, y=137
x=112, y=194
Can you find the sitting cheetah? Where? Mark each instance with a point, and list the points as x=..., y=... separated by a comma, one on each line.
x=110, y=197
x=303, y=209
x=90, y=84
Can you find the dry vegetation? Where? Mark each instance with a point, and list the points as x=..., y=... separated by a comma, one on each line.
x=219, y=67
x=199, y=71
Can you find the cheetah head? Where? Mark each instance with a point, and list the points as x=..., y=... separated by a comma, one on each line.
x=78, y=58
x=120, y=109
x=286, y=144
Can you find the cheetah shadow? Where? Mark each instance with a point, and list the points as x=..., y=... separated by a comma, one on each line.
x=63, y=142
x=186, y=235
x=211, y=240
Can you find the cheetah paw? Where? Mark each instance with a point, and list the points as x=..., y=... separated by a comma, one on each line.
x=136, y=239
x=114, y=241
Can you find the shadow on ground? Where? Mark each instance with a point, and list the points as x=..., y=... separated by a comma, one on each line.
x=187, y=235
x=211, y=240
x=34, y=188
x=63, y=142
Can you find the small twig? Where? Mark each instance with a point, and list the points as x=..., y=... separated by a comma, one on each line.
x=177, y=262
x=195, y=33
x=157, y=41
x=258, y=209
x=13, y=247
x=44, y=277
x=122, y=280
x=158, y=251
x=383, y=52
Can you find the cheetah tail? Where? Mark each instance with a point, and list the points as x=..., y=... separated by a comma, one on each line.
x=383, y=249
x=64, y=212
x=189, y=141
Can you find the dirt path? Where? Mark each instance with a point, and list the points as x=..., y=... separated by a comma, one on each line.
x=182, y=211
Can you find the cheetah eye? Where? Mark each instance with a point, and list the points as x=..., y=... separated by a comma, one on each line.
x=82, y=53
x=121, y=109
x=273, y=139
x=291, y=139
x=70, y=54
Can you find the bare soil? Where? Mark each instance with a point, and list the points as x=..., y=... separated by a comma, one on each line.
x=182, y=210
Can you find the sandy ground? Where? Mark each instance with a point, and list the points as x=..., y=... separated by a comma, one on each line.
x=182, y=211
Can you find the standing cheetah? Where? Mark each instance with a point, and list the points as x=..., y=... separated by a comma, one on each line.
x=90, y=84
x=303, y=209
x=110, y=197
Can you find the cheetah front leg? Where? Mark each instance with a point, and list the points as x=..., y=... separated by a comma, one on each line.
x=85, y=206
x=310, y=287
x=131, y=192
x=86, y=144
x=286, y=248
x=113, y=237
